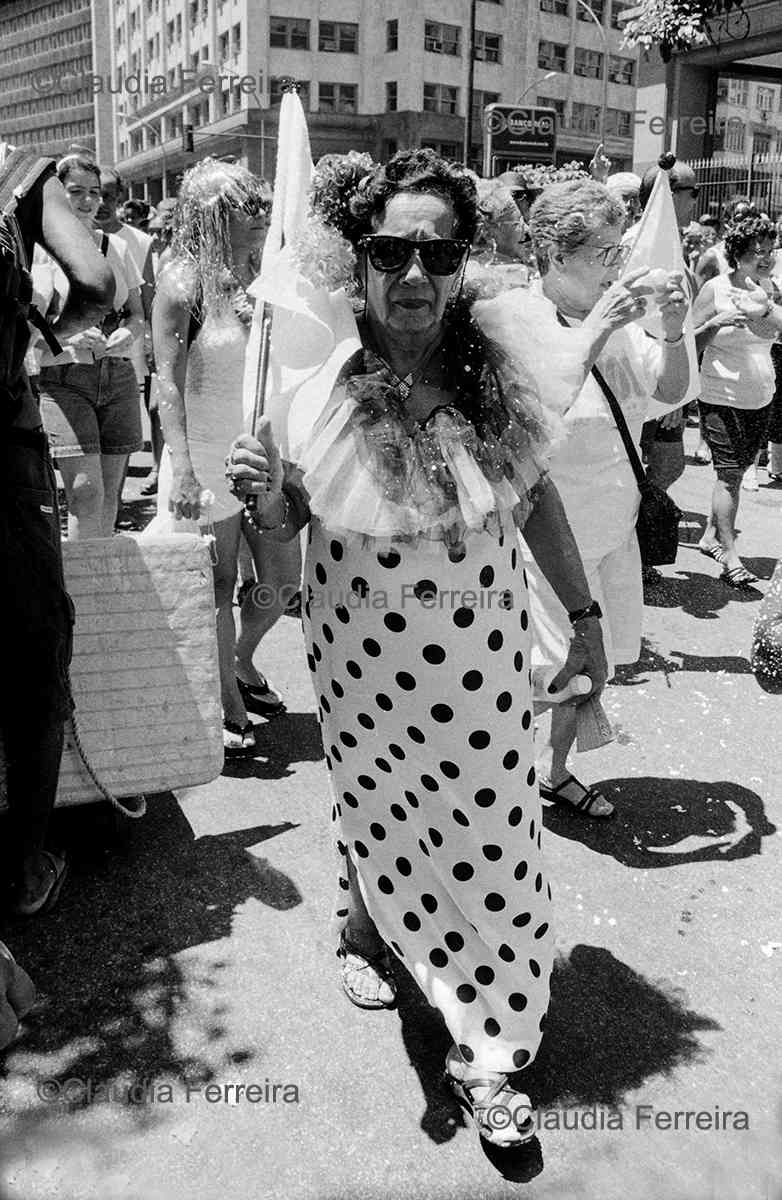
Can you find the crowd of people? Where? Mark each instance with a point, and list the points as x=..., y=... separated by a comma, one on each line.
x=446, y=452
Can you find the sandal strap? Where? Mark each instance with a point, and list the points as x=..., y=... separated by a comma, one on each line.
x=379, y=961
x=739, y=577
x=585, y=804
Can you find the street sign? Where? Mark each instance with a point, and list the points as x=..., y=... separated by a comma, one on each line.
x=515, y=134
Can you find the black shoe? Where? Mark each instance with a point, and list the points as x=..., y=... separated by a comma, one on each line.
x=261, y=699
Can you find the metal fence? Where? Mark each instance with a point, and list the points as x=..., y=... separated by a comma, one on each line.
x=758, y=177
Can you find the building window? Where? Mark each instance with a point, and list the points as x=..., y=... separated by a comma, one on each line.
x=585, y=118
x=597, y=8
x=764, y=99
x=557, y=105
x=552, y=56
x=621, y=70
x=442, y=39
x=338, y=37
x=391, y=96
x=734, y=136
x=738, y=92
x=560, y=7
x=275, y=92
x=224, y=47
x=488, y=47
x=761, y=143
x=392, y=36
x=619, y=122
x=179, y=27
x=587, y=63
x=338, y=97
x=449, y=150
x=193, y=12
x=390, y=147
x=479, y=101
x=441, y=98
x=290, y=33
x=617, y=11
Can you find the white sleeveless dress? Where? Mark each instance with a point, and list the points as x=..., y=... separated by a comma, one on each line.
x=213, y=411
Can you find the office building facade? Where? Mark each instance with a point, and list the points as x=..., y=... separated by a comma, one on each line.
x=51, y=54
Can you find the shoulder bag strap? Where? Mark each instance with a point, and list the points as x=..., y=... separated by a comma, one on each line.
x=619, y=419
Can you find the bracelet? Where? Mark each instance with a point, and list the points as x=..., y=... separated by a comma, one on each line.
x=286, y=512
x=592, y=609
x=675, y=341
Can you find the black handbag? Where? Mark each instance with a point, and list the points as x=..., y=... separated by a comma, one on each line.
x=658, y=520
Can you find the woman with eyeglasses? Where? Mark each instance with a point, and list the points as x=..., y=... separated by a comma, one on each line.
x=577, y=234
x=422, y=456
x=200, y=327
x=502, y=255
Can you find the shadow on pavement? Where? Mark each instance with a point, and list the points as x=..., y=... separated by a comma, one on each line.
x=114, y=990
x=667, y=822
x=698, y=595
x=608, y=1030
x=286, y=739
x=651, y=660
x=762, y=567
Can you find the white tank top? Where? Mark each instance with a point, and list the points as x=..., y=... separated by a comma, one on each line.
x=737, y=368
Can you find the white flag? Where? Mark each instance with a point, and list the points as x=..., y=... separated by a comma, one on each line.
x=308, y=325
x=658, y=244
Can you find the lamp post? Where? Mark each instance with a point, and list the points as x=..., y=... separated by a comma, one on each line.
x=470, y=85
x=535, y=83
x=604, y=39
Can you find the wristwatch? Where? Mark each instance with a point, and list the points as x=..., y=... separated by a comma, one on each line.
x=592, y=609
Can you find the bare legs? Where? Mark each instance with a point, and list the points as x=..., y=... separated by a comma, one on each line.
x=721, y=529
x=278, y=569
x=226, y=535
x=92, y=483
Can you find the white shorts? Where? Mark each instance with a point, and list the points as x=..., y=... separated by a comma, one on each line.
x=615, y=582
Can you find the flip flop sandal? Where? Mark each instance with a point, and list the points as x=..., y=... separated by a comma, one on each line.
x=739, y=578
x=585, y=804
x=716, y=552
x=238, y=740
x=494, y=1115
x=47, y=900
x=260, y=698
x=356, y=960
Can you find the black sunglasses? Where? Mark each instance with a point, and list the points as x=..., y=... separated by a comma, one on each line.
x=440, y=256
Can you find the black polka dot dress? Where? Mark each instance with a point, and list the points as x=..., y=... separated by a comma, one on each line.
x=420, y=663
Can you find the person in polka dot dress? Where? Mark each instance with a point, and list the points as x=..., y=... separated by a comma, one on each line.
x=420, y=468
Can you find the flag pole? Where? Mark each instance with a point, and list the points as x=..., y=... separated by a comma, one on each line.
x=262, y=376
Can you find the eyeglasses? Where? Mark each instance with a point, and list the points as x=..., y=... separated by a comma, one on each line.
x=611, y=255
x=439, y=256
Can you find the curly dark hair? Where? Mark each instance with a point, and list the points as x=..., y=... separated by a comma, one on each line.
x=416, y=171
x=741, y=234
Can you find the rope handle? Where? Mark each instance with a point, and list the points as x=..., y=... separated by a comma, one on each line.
x=133, y=814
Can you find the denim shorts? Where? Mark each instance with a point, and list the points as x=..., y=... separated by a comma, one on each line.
x=91, y=408
x=36, y=614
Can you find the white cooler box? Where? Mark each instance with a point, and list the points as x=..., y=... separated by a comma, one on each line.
x=144, y=673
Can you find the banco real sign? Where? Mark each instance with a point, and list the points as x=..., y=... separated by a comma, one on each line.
x=513, y=134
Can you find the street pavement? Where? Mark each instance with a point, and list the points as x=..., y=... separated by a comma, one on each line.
x=192, y=949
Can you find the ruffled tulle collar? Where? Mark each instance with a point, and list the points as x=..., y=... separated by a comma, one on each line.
x=373, y=470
